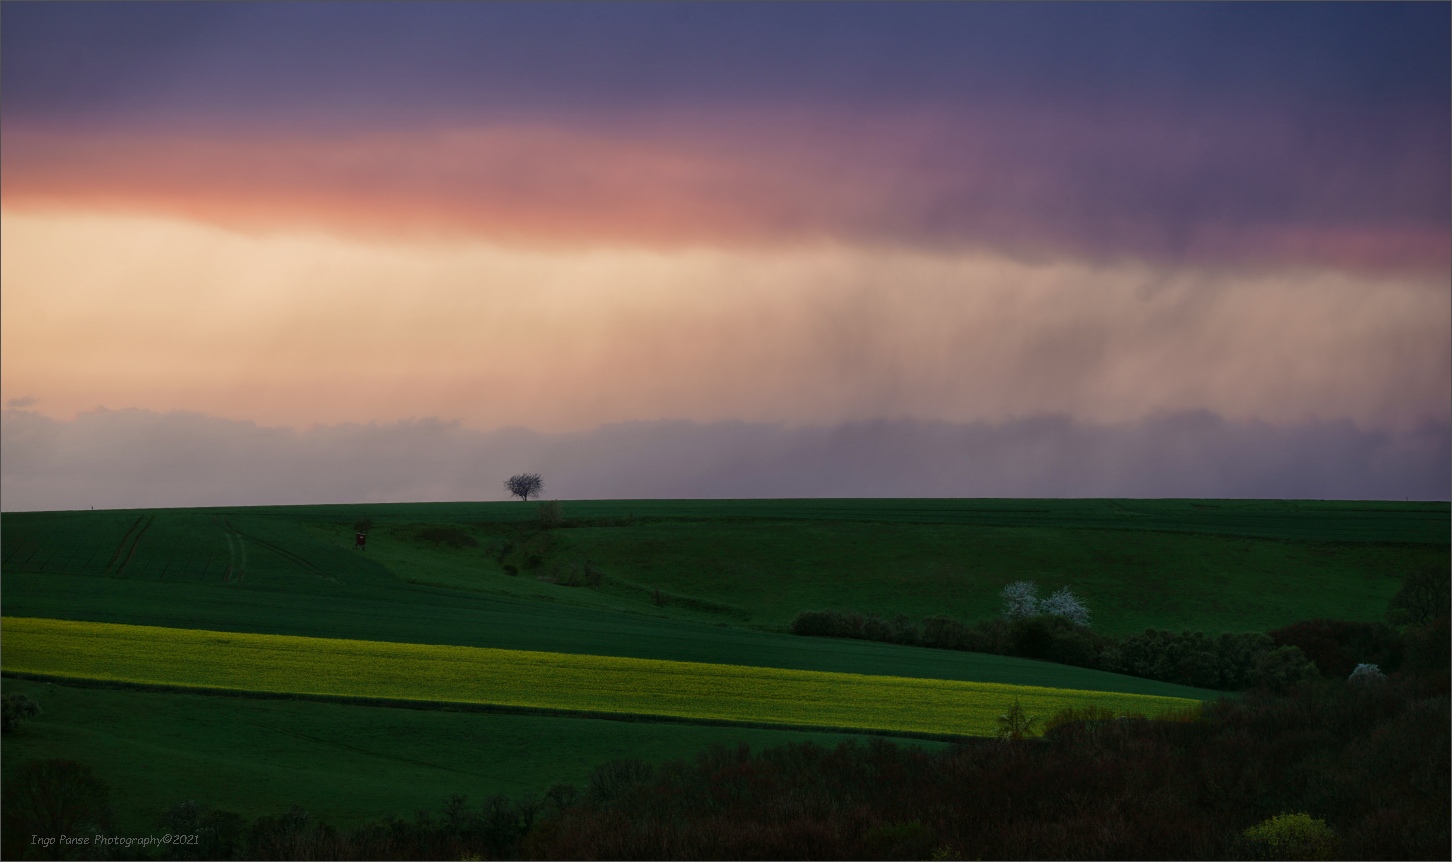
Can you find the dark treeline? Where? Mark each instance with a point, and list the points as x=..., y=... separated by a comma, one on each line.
x=1368, y=758
x=1229, y=661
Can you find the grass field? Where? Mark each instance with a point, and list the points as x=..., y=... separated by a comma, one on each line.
x=599, y=684
x=1203, y=565
x=345, y=763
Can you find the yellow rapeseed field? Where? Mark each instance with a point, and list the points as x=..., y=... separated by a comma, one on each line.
x=455, y=674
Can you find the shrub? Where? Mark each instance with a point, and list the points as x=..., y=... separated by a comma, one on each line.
x=293, y=835
x=842, y=624
x=219, y=833
x=1282, y=669
x=1077, y=715
x=1063, y=603
x=1016, y=723
x=551, y=514
x=1226, y=661
x=1056, y=639
x=1020, y=599
x=910, y=840
x=816, y=624
x=17, y=708
x=1428, y=646
x=1337, y=646
x=1366, y=673
x=1424, y=596
x=1292, y=836
x=614, y=779
x=51, y=798
x=940, y=632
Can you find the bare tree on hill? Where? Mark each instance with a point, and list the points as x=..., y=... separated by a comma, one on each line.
x=524, y=485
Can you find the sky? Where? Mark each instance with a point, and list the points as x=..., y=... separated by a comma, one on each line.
x=1109, y=249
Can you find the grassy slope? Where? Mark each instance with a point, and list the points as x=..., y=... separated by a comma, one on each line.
x=348, y=763
x=1173, y=564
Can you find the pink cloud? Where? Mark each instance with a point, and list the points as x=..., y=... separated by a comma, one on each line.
x=1126, y=186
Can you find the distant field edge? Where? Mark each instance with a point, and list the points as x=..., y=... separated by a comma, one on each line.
x=196, y=659
x=465, y=706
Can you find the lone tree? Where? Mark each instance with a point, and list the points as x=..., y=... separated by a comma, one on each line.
x=524, y=485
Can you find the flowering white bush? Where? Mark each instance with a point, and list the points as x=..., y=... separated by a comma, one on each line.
x=1065, y=604
x=1020, y=599
x=1366, y=673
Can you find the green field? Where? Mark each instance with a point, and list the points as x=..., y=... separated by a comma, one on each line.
x=693, y=593
x=344, y=763
x=1201, y=565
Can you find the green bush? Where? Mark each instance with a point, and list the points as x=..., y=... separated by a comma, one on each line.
x=1338, y=646
x=17, y=708
x=1292, y=836
x=1283, y=668
x=1424, y=596
x=1056, y=639
x=1226, y=661
x=51, y=798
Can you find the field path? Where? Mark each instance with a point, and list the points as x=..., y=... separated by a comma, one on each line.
x=608, y=686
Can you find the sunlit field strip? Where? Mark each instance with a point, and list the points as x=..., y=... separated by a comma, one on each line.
x=604, y=684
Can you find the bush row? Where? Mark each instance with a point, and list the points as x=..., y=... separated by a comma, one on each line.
x=1375, y=785
x=1228, y=662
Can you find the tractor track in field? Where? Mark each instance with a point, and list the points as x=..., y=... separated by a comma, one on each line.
x=230, y=534
x=121, y=546
x=135, y=543
x=281, y=552
x=359, y=750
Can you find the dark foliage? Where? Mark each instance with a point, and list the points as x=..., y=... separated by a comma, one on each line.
x=1336, y=647
x=17, y=708
x=551, y=514
x=1424, y=597
x=1228, y=662
x=846, y=624
x=219, y=833
x=1225, y=661
x=1428, y=646
x=1373, y=763
x=52, y=798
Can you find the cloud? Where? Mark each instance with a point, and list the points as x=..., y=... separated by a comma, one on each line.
x=22, y=402
x=295, y=330
x=1243, y=188
x=135, y=458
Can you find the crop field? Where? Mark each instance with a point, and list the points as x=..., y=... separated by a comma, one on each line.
x=555, y=681
x=342, y=762
x=466, y=619
x=1202, y=565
